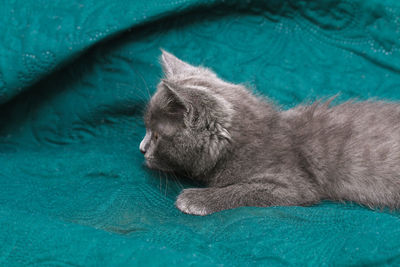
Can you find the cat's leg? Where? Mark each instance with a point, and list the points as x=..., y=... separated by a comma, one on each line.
x=204, y=201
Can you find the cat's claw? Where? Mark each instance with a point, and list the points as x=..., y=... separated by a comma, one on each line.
x=186, y=205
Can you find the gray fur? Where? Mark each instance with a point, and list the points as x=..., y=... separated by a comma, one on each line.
x=249, y=153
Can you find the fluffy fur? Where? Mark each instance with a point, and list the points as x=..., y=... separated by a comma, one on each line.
x=249, y=153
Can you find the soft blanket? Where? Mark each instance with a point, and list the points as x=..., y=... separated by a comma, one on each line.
x=75, y=77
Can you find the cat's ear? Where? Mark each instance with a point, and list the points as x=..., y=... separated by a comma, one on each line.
x=176, y=103
x=172, y=65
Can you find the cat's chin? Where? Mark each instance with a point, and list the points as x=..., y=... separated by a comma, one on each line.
x=154, y=166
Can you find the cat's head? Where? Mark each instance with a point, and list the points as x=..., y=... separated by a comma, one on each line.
x=187, y=120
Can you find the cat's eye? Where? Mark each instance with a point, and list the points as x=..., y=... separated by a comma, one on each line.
x=155, y=135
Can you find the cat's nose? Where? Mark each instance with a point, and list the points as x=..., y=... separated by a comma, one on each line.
x=144, y=145
x=142, y=148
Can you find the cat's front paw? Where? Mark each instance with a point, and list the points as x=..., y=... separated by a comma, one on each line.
x=192, y=201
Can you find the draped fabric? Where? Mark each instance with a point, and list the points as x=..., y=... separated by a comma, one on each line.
x=75, y=77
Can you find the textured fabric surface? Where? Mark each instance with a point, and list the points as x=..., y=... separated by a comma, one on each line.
x=74, y=79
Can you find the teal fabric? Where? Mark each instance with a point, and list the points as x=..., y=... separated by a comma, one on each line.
x=74, y=79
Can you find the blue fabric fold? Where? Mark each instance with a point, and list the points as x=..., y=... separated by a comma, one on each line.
x=75, y=77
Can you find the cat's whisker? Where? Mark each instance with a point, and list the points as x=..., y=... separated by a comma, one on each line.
x=145, y=84
x=177, y=181
x=143, y=95
x=159, y=177
x=166, y=185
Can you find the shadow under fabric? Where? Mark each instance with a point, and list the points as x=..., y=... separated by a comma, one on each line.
x=75, y=79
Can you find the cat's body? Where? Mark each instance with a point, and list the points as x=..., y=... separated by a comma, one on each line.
x=249, y=153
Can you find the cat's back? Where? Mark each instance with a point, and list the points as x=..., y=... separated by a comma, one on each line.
x=368, y=121
x=351, y=143
x=368, y=118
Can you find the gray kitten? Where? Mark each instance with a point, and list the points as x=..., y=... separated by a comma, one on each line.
x=249, y=153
